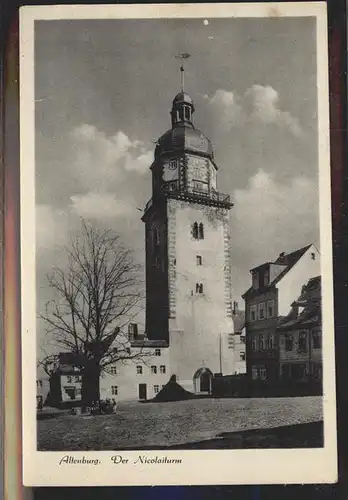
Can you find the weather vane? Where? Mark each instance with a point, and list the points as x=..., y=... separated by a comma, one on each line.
x=183, y=56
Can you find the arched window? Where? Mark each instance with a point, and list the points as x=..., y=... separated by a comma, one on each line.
x=195, y=230
x=201, y=231
x=187, y=113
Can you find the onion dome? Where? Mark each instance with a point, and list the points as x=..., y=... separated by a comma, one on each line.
x=183, y=136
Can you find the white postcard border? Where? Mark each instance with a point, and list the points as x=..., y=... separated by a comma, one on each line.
x=271, y=466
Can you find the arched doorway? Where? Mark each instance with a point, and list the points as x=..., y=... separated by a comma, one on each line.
x=202, y=380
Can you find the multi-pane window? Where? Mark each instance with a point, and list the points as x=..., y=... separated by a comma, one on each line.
x=199, y=288
x=316, y=339
x=153, y=369
x=317, y=371
x=288, y=342
x=253, y=313
x=242, y=355
x=39, y=383
x=270, y=341
x=198, y=260
x=139, y=369
x=270, y=309
x=113, y=370
x=114, y=390
x=262, y=342
x=157, y=352
x=162, y=369
x=302, y=341
x=156, y=389
x=255, y=279
x=262, y=311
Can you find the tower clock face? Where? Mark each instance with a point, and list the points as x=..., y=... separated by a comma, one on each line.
x=170, y=170
x=199, y=170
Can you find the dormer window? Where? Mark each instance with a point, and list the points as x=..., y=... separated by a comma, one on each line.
x=255, y=278
x=313, y=256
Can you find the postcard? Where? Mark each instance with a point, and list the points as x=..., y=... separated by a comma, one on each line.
x=176, y=246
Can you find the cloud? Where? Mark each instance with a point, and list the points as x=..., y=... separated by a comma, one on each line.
x=258, y=105
x=100, y=206
x=269, y=217
x=103, y=161
x=51, y=226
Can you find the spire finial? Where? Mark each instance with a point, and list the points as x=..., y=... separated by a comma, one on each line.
x=182, y=56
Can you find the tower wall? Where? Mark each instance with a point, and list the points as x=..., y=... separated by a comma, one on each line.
x=157, y=300
x=199, y=322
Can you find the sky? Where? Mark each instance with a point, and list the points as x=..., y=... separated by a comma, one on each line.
x=103, y=92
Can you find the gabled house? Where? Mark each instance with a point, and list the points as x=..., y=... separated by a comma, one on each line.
x=300, y=338
x=275, y=286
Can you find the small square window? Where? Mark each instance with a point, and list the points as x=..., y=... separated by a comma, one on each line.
x=157, y=352
x=162, y=369
x=153, y=369
x=313, y=256
x=198, y=260
x=139, y=370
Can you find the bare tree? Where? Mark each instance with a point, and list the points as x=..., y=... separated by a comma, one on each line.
x=97, y=294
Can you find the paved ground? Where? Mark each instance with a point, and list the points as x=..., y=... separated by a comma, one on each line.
x=144, y=425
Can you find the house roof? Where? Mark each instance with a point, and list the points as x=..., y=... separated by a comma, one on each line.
x=310, y=300
x=284, y=259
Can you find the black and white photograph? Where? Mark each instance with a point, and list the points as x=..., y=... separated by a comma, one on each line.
x=179, y=296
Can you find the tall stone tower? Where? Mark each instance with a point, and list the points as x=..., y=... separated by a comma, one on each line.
x=188, y=286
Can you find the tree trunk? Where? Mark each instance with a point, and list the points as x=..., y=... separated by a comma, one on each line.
x=90, y=390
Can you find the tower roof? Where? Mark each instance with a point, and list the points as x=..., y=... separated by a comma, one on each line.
x=186, y=138
x=182, y=97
